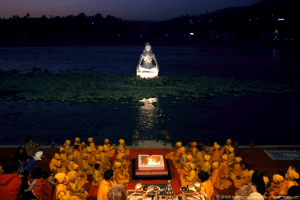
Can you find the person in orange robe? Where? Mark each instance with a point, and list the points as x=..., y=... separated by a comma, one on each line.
x=71, y=162
x=177, y=157
x=215, y=175
x=227, y=145
x=77, y=142
x=61, y=192
x=42, y=188
x=76, y=191
x=64, y=165
x=122, y=176
x=189, y=176
x=109, y=150
x=216, y=157
x=210, y=149
x=10, y=183
x=194, y=150
x=91, y=156
x=206, y=185
x=86, y=167
x=206, y=167
x=97, y=175
x=289, y=181
x=92, y=144
x=67, y=147
x=62, y=153
x=118, y=159
x=52, y=166
x=224, y=174
x=172, y=154
x=81, y=178
x=121, y=148
x=246, y=189
x=185, y=160
x=83, y=148
x=199, y=160
x=77, y=155
x=237, y=168
x=240, y=179
x=276, y=184
x=231, y=156
x=106, y=161
x=105, y=185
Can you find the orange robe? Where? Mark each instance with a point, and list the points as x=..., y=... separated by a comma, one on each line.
x=237, y=170
x=61, y=192
x=206, y=167
x=121, y=149
x=109, y=150
x=230, y=159
x=216, y=157
x=193, y=152
x=122, y=176
x=188, y=178
x=81, y=178
x=77, y=157
x=286, y=186
x=52, y=166
x=91, y=158
x=223, y=150
x=208, y=188
x=104, y=189
x=215, y=178
x=238, y=183
x=209, y=150
x=224, y=174
x=274, y=188
x=86, y=168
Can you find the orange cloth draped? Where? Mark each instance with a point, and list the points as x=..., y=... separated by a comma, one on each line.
x=9, y=186
x=215, y=178
x=209, y=150
x=109, y=151
x=91, y=158
x=193, y=152
x=230, y=159
x=42, y=189
x=93, y=191
x=61, y=192
x=237, y=170
x=216, y=157
x=52, y=166
x=224, y=174
x=286, y=186
x=103, y=189
x=238, y=183
x=77, y=157
x=81, y=178
x=122, y=177
x=206, y=167
x=208, y=188
x=87, y=169
x=274, y=188
x=223, y=150
x=187, y=178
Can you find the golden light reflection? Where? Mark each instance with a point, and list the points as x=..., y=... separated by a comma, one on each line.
x=147, y=74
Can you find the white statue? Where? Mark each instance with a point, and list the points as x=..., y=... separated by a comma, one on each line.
x=146, y=68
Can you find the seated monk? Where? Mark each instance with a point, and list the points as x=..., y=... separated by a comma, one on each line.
x=237, y=169
x=185, y=160
x=206, y=185
x=61, y=192
x=104, y=158
x=109, y=150
x=119, y=158
x=77, y=142
x=227, y=145
x=62, y=153
x=216, y=156
x=224, y=174
x=240, y=179
x=288, y=182
x=231, y=156
x=97, y=178
x=91, y=156
x=122, y=176
x=58, y=165
x=206, y=167
x=121, y=148
x=103, y=162
x=75, y=191
x=172, y=155
x=82, y=147
x=177, y=163
x=215, y=175
x=92, y=146
x=77, y=155
x=68, y=150
x=194, y=150
x=64, y=165
x=42, y=188
x=276, y=184
x=245, y=190
x=199, y=160
x=189, y=176
x=210, y=149
x=52, y=162
x=86, y=167
x=81, y=178
x=71, y=162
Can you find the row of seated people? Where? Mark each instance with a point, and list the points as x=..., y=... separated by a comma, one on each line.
x=224, y=168
x=80, y=162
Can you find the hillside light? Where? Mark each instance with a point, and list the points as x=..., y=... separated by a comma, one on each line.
x=280, y=19
x=191, y=33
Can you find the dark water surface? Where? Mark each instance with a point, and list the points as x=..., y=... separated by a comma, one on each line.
x=264, y=118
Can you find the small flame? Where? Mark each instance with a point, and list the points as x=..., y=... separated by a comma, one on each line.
x=153, y=161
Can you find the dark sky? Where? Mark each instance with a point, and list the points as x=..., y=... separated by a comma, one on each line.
x=126, y=9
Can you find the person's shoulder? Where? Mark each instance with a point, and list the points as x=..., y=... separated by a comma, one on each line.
x=255, y=196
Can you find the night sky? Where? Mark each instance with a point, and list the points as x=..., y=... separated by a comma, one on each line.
x=152, y=10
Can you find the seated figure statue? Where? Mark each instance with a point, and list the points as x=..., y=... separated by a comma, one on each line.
x=147, y=69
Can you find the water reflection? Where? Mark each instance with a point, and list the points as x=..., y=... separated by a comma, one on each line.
x=148, y=117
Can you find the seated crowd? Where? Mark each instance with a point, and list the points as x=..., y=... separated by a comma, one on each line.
x=69, y=170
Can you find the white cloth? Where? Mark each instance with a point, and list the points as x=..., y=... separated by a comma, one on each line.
x=38, y=155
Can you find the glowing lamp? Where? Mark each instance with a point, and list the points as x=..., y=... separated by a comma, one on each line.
x=191, y=33
x=280, y=19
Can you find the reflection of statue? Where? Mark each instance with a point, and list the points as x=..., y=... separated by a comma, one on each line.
x=147, y=69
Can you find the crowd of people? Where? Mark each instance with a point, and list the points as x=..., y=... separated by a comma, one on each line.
x=213, y=167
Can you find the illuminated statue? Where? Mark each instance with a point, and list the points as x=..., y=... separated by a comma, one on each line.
x=147, y=69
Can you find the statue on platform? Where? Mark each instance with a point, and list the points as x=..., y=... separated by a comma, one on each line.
x=147, y=69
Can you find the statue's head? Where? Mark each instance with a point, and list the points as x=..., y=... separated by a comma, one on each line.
x=147, y=46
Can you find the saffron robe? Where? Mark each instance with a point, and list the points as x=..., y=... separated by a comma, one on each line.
x=224, y=174
x=215, y=177
x=286, y=186
x=42, y=189
x=208, y=188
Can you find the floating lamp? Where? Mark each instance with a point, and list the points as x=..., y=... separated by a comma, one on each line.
x=167, y=136
x=252, y=144
x=38, y=144
x=164, y=132
x=136, y=132
x=53, y=144
x=236, y=144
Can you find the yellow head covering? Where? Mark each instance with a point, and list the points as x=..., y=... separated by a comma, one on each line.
x=97, y=156
x=57, y=156
x=229, y=140
x=207, y=157
x=77, y=139
x=120, y=156
x=231, y=149
x=90, y=139
x=82, y=143
x=190, y=157
x=182, y=150
x=60, y=177
x=61, y=149
x=68, y=142
x=106, y=141
x=118, y=164
x=89, y=149
x=217, y=146
x=215, y=164
x=266, y=180
x=238, y=159
x=121, y=141
x=250, y=173
x=278, y=178
x=192, y=165
x=178, y=144
x=75, y=166
x=84, y=155
x=100, y=148
x=64, y=158
x=71, y=174
x=71, y=157
x=194, y=144
x=225, y=157
x=293, y=175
